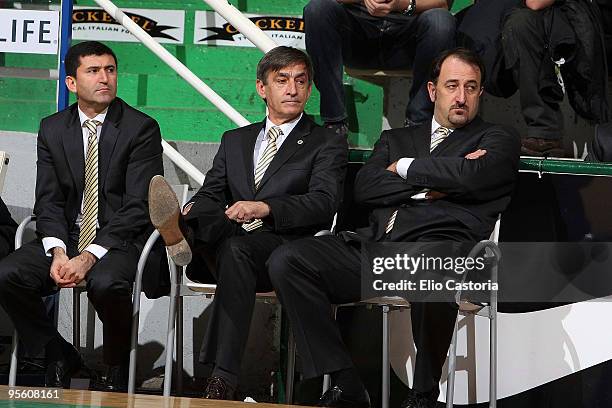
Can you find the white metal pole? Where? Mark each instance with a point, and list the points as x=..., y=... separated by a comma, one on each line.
x=187, y=167
x=174, y=63
x=246, y=27
x=185, y=73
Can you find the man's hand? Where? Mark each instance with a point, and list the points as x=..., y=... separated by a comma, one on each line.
x=380, y=8
x=434, y=195
x=393, y=167
x=76, y=269
x=538, y=4
x=476, y=154
x=187, y=209
x=56, y=271
x=247, y=211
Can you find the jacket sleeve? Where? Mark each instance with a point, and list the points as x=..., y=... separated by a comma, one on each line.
x=50, y=200
x=145, y=161
x=375, y=185
x=7, y=230
x=215, y=182
x=482, y=179
x=325, y=189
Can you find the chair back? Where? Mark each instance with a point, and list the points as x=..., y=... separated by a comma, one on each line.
x=4, y=162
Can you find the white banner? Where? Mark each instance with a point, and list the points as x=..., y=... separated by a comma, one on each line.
x=212, y=29
x=28, y=31
x=94, y=23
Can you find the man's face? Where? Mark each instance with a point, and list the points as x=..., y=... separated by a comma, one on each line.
x=95, y=83
x=286, y=92
x=456, y=94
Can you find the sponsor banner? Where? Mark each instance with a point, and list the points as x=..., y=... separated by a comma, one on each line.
x=212, y=29
x=93, y=23
x=28, y=31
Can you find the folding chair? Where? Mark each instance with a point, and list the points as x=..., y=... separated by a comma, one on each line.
x=387, y=304
x=492, y=253
x=181, y=192
x=181, y=286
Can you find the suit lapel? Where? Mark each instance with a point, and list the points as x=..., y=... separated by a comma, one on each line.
x=288, y=148
x=73, y=148
x=108, y=139
x=422, y=139
x=458, y=138
x=248, y=149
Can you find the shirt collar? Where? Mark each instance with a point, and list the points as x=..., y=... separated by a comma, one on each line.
x=99, y=117
x=435, y=125
x=286, y=128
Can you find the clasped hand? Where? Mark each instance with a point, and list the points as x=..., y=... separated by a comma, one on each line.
x=436, y=195
x=377, y=8
x=68, y=273
x=247, y=211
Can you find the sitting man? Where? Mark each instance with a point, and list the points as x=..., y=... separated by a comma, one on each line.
x=385, y=34
x=551, y=48
x=271, y=182
x=467, y=167
x=7, y=230
x=95, y=160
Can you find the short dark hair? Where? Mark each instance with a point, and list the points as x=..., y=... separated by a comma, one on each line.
x=464, y=54
x=83, y=49
x=281, y=57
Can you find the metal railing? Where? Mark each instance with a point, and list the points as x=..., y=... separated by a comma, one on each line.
x=234, y=17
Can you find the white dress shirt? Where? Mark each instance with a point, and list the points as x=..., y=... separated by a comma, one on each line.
x=404, y=163
x=262, y=142
x=51, y=242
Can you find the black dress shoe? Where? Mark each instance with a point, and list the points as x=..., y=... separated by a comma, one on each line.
x=421, y=399
x=218, y=389
x=334, y=397
x=60, y=371
x=116, y=379
x=533, y=146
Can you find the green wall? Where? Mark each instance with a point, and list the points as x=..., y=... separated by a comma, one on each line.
x=147, y=83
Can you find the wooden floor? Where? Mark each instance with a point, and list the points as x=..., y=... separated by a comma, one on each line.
x=79, y=398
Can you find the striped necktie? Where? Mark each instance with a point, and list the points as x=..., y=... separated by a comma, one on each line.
x=438, y=137
x=90, y=194
x=264, y=162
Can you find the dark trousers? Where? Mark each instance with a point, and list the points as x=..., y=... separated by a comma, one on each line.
x=337, y=34
x=24, y=279
x=240, y=271
x=526, y=53
x=311, y=274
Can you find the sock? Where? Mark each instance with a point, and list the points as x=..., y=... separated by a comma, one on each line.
x=349, y=381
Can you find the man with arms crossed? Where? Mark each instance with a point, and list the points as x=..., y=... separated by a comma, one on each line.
x=95, y=160
x=446, y=180
x=271, y=182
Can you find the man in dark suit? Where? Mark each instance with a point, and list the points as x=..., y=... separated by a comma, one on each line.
x=7, y=230
x=95, y=160
x=271, y=182
x=446, y=180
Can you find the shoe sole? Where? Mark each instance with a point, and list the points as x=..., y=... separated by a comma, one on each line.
x=164, y=212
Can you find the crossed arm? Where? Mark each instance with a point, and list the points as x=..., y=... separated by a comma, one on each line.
x=482, y=175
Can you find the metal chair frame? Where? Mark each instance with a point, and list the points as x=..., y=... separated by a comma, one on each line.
x=492, y=252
